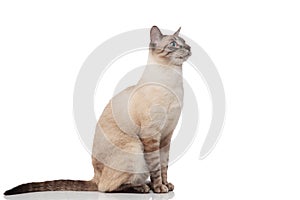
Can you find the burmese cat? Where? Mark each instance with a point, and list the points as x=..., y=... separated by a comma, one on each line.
x=133, y=134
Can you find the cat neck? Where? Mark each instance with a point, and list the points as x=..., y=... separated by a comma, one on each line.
x=155, y=60
x=162, y=73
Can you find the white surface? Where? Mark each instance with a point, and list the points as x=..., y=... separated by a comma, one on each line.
x=255, y=46
x=90, y=196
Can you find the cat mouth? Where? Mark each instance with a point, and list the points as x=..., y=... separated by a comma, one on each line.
x=185, y=56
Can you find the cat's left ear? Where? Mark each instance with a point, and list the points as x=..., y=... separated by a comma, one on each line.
x=177, y=32
x=155, y=35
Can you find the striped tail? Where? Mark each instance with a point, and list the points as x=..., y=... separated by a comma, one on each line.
x=57, y=185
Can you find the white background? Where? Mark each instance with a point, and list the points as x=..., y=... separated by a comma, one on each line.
x=254, y=44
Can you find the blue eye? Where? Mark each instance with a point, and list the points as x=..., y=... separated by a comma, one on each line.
x=173, y=44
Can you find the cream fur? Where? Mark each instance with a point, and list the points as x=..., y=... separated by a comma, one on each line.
x=150, y=109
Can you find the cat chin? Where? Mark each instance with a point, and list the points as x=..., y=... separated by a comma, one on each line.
x=178, y=61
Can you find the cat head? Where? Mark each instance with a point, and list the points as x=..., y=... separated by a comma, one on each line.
x=168, y=49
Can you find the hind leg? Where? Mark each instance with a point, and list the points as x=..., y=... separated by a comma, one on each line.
x=137, y=184
x=112, y=179
x=143, y=188
x=98, y=167
x=118, y=159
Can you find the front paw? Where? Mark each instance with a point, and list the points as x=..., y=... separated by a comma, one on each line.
x=170, y=186
x=160, y=188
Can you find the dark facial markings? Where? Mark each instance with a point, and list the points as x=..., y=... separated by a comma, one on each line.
x=170, y=52
x=172, y=45
x=163, y=49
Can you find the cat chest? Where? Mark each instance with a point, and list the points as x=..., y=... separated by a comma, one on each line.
x=172, y=117
x=164, y=117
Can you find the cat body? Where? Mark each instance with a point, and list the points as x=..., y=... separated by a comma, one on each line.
x=133, y=135
x=154, y=107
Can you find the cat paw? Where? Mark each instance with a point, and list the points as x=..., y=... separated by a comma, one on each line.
x=160, y=188
x=142, y=189
x=170, y=186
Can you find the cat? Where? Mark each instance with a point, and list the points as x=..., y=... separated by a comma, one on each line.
x=133, y=135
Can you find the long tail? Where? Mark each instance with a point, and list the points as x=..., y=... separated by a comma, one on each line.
x=57, y=185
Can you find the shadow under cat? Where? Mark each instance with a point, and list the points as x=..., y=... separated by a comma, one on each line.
x=89, y=196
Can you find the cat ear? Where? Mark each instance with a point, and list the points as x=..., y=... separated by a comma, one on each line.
x=155, y=35
x=177, y=32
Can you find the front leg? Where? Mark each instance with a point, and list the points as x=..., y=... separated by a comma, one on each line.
x=164, y=160
x=152, y=157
